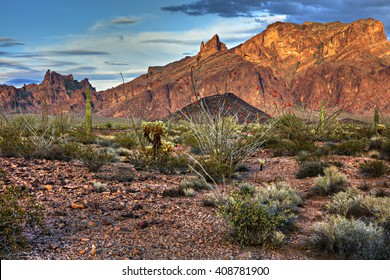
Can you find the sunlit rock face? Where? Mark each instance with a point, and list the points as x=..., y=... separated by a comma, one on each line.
x=286, y=65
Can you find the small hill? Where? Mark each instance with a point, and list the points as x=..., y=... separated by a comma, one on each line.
x=226, y=105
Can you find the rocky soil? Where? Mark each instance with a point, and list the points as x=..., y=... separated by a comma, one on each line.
x=120, y=213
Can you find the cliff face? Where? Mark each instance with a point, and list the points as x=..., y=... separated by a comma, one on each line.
x=56, y=94
x=347, y=65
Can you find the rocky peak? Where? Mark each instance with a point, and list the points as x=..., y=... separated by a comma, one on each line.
x=212, y=46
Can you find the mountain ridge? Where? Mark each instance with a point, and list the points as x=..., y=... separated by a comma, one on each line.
x=345, y=64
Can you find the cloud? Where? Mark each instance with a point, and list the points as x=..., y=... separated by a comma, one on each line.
x=13, y=65
x=295, y=11
x=170, y=41
x=9, y=42
x=83, y=69
x=77, y=53
x=123, y=20
x=116, y=63
x=18, y=82
x=114, y=23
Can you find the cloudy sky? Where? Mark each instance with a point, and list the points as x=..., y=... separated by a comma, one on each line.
x=99, y=39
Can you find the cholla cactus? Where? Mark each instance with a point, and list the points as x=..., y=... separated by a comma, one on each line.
x=153, y=131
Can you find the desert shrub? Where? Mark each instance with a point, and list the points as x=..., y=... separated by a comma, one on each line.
x=281, y=196
x=212, y=170
x=79, y=135
x=352, y=239
x=287, y=147
x=351, y=204
x=65, y=151
x=260, y=216
x=331, y=182
x=19, y=213
x=173, y=192
x=211, y=200
x=11, y=142
x=126, y=140
x=195, y=183
x=251, y=221
x=292, y=127
x=345, y=132
x=384, y=149
x=350, y=147
x=375, y=142
x=246, y=188
x=375, y=168
x=223, y=142
x=311, y=169
x=94, y=158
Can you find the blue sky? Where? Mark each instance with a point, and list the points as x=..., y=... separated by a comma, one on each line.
x=100, y=39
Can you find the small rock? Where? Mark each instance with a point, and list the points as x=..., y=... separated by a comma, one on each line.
x=93, y=250
x=107, y=222
x=143, y=224
x=137, y=207
x=131, y=215
x=53, y=245
x=91, y=224
x=78, y=205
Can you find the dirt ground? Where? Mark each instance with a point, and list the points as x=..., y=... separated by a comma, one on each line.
x=120, y=213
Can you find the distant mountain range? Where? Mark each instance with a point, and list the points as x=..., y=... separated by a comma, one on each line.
x=346, y=65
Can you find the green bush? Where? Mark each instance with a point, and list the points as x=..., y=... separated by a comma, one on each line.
x=282, y=196
x=259, y=216
x=373, y=169
x=251, y=222
x=287, y=147
x=224, y=143
x=19, y=212
x=94, y=158
x=385, y=149
x=195, y=183
x=348, y=239
x=352, y=204
x=11, y=142
x=332, y=182
x=311, y=169
x=350, y=147
x=247, y=189
x=126, y=140
x=210, y=200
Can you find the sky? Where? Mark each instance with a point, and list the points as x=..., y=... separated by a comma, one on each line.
x=100, y=39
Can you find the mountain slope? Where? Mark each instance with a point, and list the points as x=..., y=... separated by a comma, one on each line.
x=347, y=65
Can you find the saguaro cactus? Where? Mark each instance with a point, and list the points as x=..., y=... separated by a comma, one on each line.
x=322, y=115
x=376, y=120
x=88, y=111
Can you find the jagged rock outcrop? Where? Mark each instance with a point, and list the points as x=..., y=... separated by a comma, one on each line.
x=212, y=46
x=56, y=94
x=346, y=65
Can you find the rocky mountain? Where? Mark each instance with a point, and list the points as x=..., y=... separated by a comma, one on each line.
x=56, y=94
x=346, y=65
